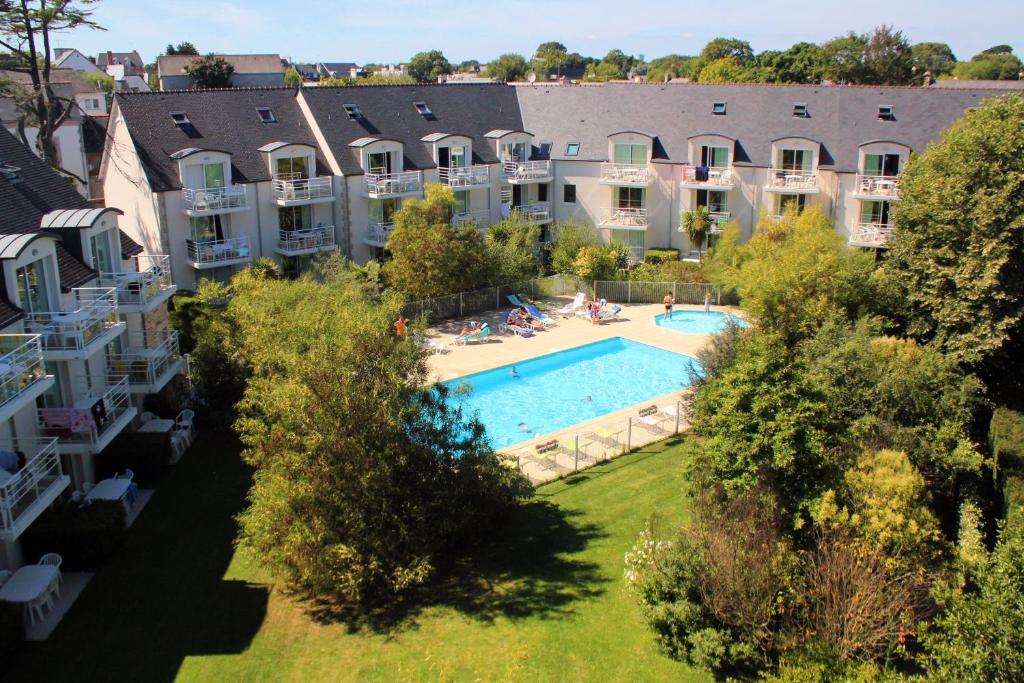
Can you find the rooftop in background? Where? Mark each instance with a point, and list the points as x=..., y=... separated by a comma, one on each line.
x=129, y=58
x=244, y=64
x=992, y=85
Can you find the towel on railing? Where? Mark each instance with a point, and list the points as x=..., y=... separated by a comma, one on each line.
x=701, y=173
x=75, y=420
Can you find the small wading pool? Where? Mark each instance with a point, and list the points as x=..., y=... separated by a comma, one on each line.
x=558, y=390
x=697, y=322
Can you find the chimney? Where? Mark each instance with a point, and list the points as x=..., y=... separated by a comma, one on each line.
x=110, y=57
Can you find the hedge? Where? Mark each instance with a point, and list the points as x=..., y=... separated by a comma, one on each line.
x=1006, y=441
x=661, y=255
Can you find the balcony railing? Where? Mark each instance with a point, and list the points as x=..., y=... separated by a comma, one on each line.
x=309, y=239
x=480, y=217
x=871, y=235
x=21, y=364
x=40, y=478
x=293, y=188
x=379, y=232
x=150, y=280
x=718, y=220
x=878, y=186
x=214, y=199
x=91, y=417
x=716, y=177
x=625, y=174
x=145, y=366
x=74, y=331
x=218, y=252
x=628, y=218
x=463, y=176
x=527, y=171
x=792, y=179
x=385, y=184
x=538, y=212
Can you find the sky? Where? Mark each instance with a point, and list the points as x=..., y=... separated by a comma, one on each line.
x=391, y=31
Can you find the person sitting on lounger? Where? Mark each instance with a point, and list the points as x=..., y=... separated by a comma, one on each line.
x=526, y=319
x=474, y=328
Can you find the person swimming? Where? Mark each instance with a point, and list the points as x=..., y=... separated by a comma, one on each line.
x=588, y=399
x=523, y=427
x=513, y=372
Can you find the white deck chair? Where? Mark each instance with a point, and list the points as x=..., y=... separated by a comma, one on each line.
x=569, y=309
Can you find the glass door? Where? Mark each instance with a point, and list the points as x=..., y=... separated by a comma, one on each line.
x=293, y=167
x=458, y=157
x=633, y=155
x=206, y=229
x=32, y=289
x=714, y=157
x=213, y=175
x=379, y=163
x=629, y=198
x=102, y=257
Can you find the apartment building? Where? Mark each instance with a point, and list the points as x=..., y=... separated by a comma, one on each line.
x=251, y=71
x=216, y=179
x=84, y=336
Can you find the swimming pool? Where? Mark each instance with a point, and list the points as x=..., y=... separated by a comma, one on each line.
x=697, y=322
x=555, y=391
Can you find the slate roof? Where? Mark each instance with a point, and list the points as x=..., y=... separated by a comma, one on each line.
x=223, y=120
x=996, y=85
x=118, y=58
x=841, y=117
x=388, y=112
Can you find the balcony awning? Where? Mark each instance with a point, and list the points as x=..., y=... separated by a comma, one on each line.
x=502, y=132
x=75, y=218
x=189, y=151
x=13, y=244
x=435, y=137
x=278, y=144
x=363, y=142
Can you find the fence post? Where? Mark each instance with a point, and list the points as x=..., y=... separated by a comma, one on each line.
x=576, y=453
x=497, y=297
x=629, y=436
x=673, y=291
x=718, y=297
x=679, y=413
x=629, y=291
x=461, y=309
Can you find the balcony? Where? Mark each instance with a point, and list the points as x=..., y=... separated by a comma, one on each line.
x=702, y=178
x=292, y=189
x=876, y=235
x=537, y=212
x=93, y=420
x=464, y=177
x=33, y=488
x=378, y=233
x=792, y=181
x=23, y=375
x=207, y=202
x=218, y=253
x=623, y=218
x=307, y=241
x=625, y=175
x=876, y=187
x=383, y=185
x=149, y=368
x=479, y=218
x=146, y=287
x=719, y=219
x=77, y=334
x=524, y=172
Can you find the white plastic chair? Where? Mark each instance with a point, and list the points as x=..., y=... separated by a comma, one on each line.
x=179, y=443
x=146, y=417
x=127, y=474
x=51, y=559
x=77, y=497
x=186, y=421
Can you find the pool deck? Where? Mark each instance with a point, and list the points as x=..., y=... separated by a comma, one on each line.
x=635, y=322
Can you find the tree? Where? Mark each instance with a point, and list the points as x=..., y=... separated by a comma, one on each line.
x=998, y=66
x=211, y=71
x=725, y=70
x=292, y=78
x=100, y=81
x=469, y=65
x=427, y=67
x=549, y=57
x=696, y=224
x=182, y=48
x=512, y=249
x=843, y=58
x=567, y=239
x=669, y=67
x=936, y=58
x=720, y=48
x=801, y=63
x=25, y=30
x=508, y=67
x=958, y=241
x=998, y=50
x=887, y=57
x=431, y=258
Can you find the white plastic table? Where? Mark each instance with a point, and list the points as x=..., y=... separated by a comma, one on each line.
x=29, y=583
x=109, y=489
x=157, y=426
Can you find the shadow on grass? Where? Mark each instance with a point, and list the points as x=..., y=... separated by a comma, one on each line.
x=163, y=596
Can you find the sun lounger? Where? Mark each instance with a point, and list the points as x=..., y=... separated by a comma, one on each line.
x=569, y=309
x=518, y=330
x=481, y=337
x=604, y=436
x=613, y=314
x=515, y=300
x=651, y=419
x=547, y=320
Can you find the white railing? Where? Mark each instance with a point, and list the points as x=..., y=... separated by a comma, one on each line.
x=214, y=199
x=792, y=179
x=293, y=187
x=878, y=185
x=379, y=232
x=625, y=173
x=526, y=171
x=463, y=176
x=96, y=312
x=42, y=469
x=623, y=217
x=91, y=415
x=393, y=183
x=718, y=220
x=218, y=251
x=871, y=234
x=538, y=212
x=707, y=176
x=21, y=364
x=144, y=365
x=320, y=237
x=480, y=217
x=151, y=277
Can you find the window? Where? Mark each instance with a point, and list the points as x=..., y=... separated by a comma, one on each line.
x=715, y=200
x=457, y=157
x=180, y=118
x=718, y=108
x=714, y=157
x=379, y=163
x=206, y=229
x=800, y=160
x=886, y=113
x=569, y=194
x=882, y=164
x=785, y=201
x=294, y=217
x=632, y=155
x=383, y=210
x=292, y=167
x=514, y=151
x=422, y=108
x=102, y=258
x=874, y=212
x=32, y=287
x=629, y=198
x=545, y=150
x=265, y=114
x=572, y=149
x=352, y=110
x=542, y=192
x=461, y=202
x=800, y=111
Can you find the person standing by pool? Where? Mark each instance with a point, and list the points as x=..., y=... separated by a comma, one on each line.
x=400, y=326
x=707, y=302
x=668, y=301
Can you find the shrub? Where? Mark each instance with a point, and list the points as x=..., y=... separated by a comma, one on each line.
x=1006, y=438
x=83, y=536
x=656, y=256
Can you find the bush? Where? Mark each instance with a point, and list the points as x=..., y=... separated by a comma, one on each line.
x=83, y=536
x=1006, y=439
x=657, y=256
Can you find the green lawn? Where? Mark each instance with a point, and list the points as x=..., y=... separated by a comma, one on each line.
x=544, y=600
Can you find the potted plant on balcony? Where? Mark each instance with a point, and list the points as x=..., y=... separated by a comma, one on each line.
x=696, y=224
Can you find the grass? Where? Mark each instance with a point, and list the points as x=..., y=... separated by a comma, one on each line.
x=543, y=601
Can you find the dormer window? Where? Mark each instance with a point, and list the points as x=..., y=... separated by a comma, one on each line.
x=180, y=118
x=886, y=113
x=572, y=149
x=352, y=110
x=265, y=114
x=718, y=108
x=545, y=150
x=800, y=111
x=422, y=108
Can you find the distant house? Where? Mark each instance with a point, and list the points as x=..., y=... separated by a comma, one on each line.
x=392, y=70
x=339, y=70
x=127, y=68
x=70, y=58
x=307, y=71
x=251, y=71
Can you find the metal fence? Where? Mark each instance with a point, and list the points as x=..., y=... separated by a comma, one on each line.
x=493, y=298
x=636, y=292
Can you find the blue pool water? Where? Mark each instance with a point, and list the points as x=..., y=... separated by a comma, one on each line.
x=696, y=322
x=550, y=392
